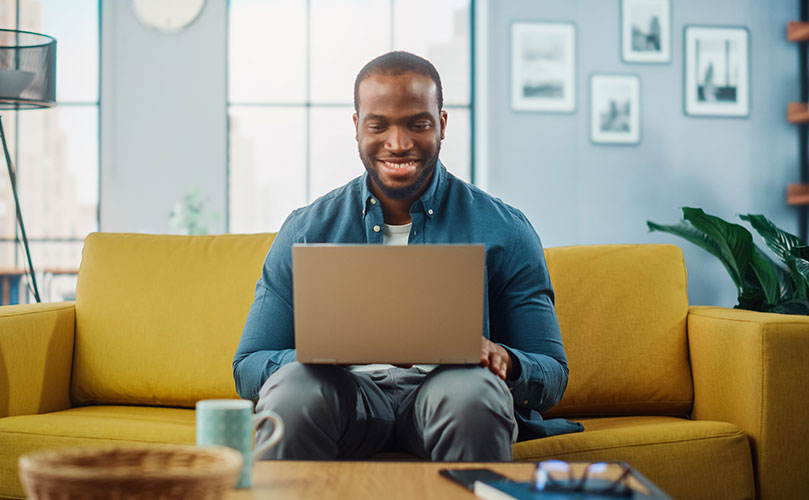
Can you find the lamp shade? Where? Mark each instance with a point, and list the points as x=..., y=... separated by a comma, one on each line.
x=27, y=70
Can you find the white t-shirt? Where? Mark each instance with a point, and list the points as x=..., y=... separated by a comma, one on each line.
x=394, y=236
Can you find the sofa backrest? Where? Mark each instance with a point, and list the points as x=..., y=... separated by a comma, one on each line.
x=158, y=318
x=622, y=311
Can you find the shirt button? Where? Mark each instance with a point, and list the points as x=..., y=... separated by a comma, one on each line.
x=525, y=402
x=430, y=211
x=363, y=211
x=373, y=201
x=377, y=228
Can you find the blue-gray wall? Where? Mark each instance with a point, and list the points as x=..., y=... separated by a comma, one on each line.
x=576, y=192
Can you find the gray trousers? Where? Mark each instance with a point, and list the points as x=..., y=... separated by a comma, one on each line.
x=330, y=412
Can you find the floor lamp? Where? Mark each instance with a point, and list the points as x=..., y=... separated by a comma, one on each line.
x=27, y=81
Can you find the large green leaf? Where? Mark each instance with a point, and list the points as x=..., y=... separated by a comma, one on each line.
x=800, y=251
x=734, y=241
x=786, y=280
x=685, y=230
x=765, y=271
x=802, y=267
x=800, y=278
x=779, y=241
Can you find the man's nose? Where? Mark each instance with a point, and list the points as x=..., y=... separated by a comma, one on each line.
x=398, y=140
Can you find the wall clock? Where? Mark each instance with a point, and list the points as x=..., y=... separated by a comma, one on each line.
x=167, y=16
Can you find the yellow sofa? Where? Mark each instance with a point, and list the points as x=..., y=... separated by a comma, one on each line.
x=707, y=402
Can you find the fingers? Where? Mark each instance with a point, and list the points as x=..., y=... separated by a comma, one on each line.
x=492, y=358
x=485, y=352
x=498, y=365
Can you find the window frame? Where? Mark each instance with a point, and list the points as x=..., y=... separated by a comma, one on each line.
x=308, y=104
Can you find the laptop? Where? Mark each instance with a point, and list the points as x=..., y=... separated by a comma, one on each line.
x=416, y=304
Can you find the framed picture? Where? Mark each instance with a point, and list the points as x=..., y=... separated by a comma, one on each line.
x=543, y=60
x=615, y=109
x=717, y=71
x=646, y=31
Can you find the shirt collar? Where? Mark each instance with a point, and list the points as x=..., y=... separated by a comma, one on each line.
x=431, y=198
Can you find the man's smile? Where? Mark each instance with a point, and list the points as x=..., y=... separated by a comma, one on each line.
x=399, y=167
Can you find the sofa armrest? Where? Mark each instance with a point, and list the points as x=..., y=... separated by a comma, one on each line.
x=36, y=357
x=752, y=369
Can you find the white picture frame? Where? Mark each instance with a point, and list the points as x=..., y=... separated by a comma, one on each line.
x=614, y=109
x=716, y=77
x=543, y=66
x=646, y=31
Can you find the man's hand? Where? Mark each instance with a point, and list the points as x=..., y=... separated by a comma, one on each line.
x=496, y=358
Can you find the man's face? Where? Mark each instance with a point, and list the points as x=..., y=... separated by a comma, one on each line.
x=399, y=131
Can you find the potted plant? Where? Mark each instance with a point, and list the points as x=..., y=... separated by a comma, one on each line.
x=762, y=283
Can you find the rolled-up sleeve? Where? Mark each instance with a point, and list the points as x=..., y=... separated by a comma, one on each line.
x=268, y=338
x=523, y=320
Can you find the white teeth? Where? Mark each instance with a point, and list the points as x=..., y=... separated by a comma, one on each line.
x=399, y=165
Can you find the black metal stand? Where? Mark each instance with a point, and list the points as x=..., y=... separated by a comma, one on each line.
x=13, y=179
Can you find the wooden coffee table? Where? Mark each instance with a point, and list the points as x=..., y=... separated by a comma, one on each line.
x=387, y=480
x=365, y=480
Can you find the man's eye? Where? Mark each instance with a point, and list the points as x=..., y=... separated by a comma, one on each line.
x=376, y=126
x=421, y=125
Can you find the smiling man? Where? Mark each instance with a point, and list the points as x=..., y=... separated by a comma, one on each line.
x=408, y=197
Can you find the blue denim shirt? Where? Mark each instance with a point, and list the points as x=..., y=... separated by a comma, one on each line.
x=518, y=307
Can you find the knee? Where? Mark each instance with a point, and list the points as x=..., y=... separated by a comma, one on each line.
x=468, y=395
x=298, y=389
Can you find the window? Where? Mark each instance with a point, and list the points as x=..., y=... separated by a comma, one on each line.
x=55, y=150
x=292, y=66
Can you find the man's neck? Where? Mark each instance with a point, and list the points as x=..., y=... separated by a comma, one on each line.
x=396, y=212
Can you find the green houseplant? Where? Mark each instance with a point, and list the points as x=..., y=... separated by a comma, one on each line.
x=761, y=282
x=191, y=216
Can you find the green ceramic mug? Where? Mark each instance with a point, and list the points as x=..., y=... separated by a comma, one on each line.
x=230, y=422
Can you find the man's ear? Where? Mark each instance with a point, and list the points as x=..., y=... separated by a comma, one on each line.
x=443, y=123
x=356, y=127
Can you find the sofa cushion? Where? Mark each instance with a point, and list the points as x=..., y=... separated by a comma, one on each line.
x=683, y=457
x=87, y=426
x=622, y=310
x=158, y=318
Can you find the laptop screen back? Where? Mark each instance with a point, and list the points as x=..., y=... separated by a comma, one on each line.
x=359, y=304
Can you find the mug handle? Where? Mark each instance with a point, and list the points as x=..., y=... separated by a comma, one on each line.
x=277, y=432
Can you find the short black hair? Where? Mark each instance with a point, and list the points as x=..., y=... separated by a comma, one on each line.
x=397, y=63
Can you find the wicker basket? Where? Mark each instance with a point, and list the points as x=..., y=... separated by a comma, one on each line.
x=130, y=472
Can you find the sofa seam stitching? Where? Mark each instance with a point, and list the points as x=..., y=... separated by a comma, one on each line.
x=749, y=321
x=37, y=312
x=724, y=435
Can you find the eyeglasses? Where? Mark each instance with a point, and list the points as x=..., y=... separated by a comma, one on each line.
x=596, y=478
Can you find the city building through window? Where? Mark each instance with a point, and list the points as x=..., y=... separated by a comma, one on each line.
x=55, y=150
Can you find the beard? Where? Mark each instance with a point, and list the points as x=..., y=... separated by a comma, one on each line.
x=404, y=192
